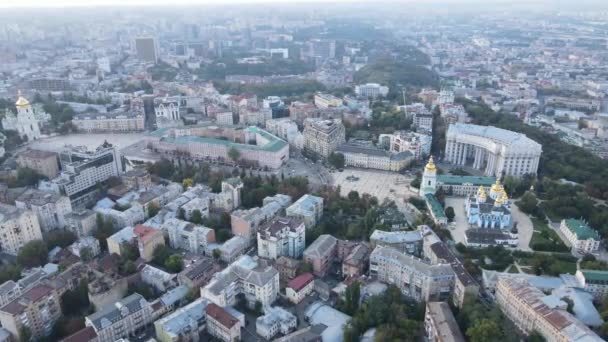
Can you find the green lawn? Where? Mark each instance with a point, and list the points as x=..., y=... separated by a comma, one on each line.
x=546, y=239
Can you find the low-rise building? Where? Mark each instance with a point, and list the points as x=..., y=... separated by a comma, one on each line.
x=300, y=287
x=233, y=248
x=275, y=320
x=197, y=274
x=282, y=236
x=85, y=248
x=252, y=277
x=594, y=282
x=414, y=277
x=355, y=263
x=583, y=239
x=463, y=186
x=436, y=210
x=109, y=122
x=157, y=278
x=531, y=310
x=372, y=90
x=43, y=162
x=50, y=207
x=188, y=236
x=245, y=222
x=366, y=156
x=147, y=239
x=418, y=144
x=36, y=310
x=440, y=324
x=121, y=319
x=308, y=208
x=81, y=222
x=287, y=268
x=321, y=254
x=221, y=324
x=185, y=324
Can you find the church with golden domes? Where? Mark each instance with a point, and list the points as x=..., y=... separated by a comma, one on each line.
x=491, y=210
x=25, y=122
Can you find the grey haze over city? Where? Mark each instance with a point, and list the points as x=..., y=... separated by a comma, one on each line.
x=303, y=171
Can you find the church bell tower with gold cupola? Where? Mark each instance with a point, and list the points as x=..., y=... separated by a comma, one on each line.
x=428, y=185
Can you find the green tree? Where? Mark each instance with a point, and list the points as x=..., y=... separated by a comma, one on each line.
x=186, y=183
x=129, y=250
x=336, y=159
x=196, y=217
x=485, y=330
x=160, y=255
x=350, y=303
x=174, y=264
x=450, y=214
x=528, y=203
x=153, y=209
x=234, y=154
x=304, y=267
x=33, y=254
x=59, y=238
x=217, y=254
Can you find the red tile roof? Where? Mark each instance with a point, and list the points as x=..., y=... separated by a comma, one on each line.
x=300, y=281
x=144, y=232
x=221, y=316
x=84, y=335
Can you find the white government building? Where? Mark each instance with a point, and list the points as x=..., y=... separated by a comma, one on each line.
x=494, y=150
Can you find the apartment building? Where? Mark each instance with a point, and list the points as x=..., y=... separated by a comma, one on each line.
x=321, y=254
x=594, y=282
x=531, y=310
x=409, y=242
x=583, y=239
x=184, y=324
x=233, y=248
x=308, y=208
x=50, y=208
x=287, y=268
x=188, y=236
x=198, y=274
x=122, y=319
x=440, y=324
x=43, y=162
x=322, y=137
x=275, y=320
x=147, y=239
x=372, y=90
x=221, y=324
x=17, y=227
x=245, y=222
x=416, y=279
x=355, y=263
x=281, y=236
x=37, y=309
x=325, y=101
x=363, y=154
x=81, y=222
x=253, y=277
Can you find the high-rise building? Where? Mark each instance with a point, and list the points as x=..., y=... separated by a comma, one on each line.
x=82, y=171
x=149, y=113
x=146, y=49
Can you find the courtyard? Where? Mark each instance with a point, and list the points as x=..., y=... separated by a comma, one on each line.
x=460, y=224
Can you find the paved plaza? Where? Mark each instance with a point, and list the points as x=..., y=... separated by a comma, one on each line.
x=382, y=184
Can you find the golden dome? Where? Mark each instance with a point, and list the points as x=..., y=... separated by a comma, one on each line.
x=430, y=166
x=481, y=190
x=497, y=187
x=21, y=101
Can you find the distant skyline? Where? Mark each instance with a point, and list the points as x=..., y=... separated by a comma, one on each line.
x=96, y=3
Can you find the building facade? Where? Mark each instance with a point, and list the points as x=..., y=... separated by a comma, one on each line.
x=418, y=144
x=299, y=287
x=322, y=137
x=109, y=122
x=50, y=207
x=25, y=122
x=188, y=236
x=122, y=319
x=491, y=211
x=497, y=152
x=221, y=324
x=43, y=162
x=321, y=254
x=583, y=239
x=372, y=90
x=17, y=227
x=282, y=236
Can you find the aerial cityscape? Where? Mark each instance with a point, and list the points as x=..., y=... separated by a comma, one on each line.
x=304, y=171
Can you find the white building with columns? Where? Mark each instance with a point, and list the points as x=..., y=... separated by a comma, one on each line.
x=494, y=150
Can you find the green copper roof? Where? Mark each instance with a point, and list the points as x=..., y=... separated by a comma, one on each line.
x=581, y=229
x=436, y=207
x=475, y=180
x=595, y=277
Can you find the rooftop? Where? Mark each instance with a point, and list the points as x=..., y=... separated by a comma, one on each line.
x=221, y=316
x=300, y=281
x=396, y=237
x=503, y=136
x=37, y=154
x=274, y=315
x=474, y=180
x=393, y=255
x=182, y=319
x=444, y=322
x=321, y=246
x=115, y=312
x=435, y=206
x=581, y=229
